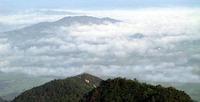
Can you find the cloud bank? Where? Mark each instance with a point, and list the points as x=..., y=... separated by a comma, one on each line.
x=150, y=44
x=19, y=19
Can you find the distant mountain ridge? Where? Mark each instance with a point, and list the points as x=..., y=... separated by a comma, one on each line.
x=89, y=88
x=42, y=29
x=70, y=20
x=85, y=20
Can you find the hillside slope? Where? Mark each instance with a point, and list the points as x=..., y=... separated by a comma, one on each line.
x=67, y=90
x=122, y=90
x=88, y=88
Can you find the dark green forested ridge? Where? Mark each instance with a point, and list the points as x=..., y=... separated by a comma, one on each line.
x=122, y=90
x=67, y=90
x=88, y=88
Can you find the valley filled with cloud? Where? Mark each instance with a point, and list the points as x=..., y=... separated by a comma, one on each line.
x=151, y=44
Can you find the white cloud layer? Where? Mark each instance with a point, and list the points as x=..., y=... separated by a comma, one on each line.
x=150, y=44
x=25, y=18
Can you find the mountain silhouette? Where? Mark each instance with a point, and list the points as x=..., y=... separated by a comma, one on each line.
x=89, y=88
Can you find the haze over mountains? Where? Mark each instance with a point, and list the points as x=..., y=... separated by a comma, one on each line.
x=1, y=100
x=45, y=29
x=21, y=39
x=150, y=45
x=154, y=41
x=136, y=44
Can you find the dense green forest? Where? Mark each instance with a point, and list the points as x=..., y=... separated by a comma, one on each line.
x=88, y=88
x=67, y=90
x=122, y=90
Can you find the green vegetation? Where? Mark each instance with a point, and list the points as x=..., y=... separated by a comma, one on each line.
x=122, y=90
x=67, y=90
x=192, y=89
x=88, y=88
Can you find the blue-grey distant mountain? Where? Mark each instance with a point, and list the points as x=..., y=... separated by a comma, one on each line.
x=85, y=20
x=71, y=20
x=41, y=29
x=46, y=29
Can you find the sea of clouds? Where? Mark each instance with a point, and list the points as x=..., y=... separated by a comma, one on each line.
x=154, y=44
